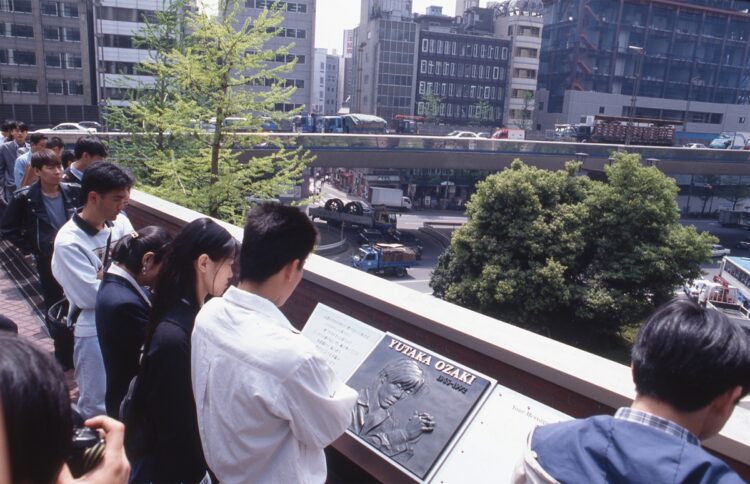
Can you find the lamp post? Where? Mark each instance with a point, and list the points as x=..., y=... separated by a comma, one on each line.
x=639, y=51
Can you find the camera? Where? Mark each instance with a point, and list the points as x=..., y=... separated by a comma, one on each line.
x=87, y=452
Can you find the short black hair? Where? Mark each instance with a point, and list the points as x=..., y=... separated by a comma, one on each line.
x=91, y=145
x=22, y=127
x=687, y=355
x=102, y=177
x=44, y=157
x=36, y=138
x=8, y=125
x=274, y=236
x=67, y=157
x=53, y=142
x=129, y=250
x=36, y=411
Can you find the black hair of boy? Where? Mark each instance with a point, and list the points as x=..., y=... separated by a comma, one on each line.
x=8, y=126
x=44, y=158
x=686, y=355
x=36, y=138
x=53, y=142
x=22, y=127
x=102, y=177
x=91, y=145
x=67, y=157
x=274, y=235
x=36, y=409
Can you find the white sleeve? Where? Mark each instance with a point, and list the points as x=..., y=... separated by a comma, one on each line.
x=318, y=404
x=74, y=271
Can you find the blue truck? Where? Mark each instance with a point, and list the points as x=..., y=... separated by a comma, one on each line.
x=384, y=259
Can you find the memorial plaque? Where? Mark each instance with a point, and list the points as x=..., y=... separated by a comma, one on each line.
x=494, y=441
x=343, y=340
x=412, y=402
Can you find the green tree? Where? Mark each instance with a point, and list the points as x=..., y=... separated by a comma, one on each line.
x=568, y=256
x=735, y=191
x=527, y=112
x=219, y=70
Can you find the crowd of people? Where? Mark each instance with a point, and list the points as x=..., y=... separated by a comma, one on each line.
x=191, y=373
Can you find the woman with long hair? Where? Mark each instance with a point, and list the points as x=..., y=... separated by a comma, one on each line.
x=199, y=265
x=123, y=305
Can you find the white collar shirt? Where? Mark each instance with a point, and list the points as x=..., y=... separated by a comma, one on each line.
x=266, y=400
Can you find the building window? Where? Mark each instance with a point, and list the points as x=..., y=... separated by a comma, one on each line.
x=439, y=46
x=425, y=45
x=432, y=45
x=19, y=30
x=24, y=58
x=421, y=87
x=55, y=86
x=71, y=34
x=18, y=6
x=450, y=89
x=69, y=10
x=438, y=68
x=742, y=119
x=49, y=8
x=443, y=87
x=453, y=68
x=453, y=48
x=75, y=87
x=495, y=72
x=601, y=109
x=18, y=85
x=541, y=105
x=504, y=53
x=423, y=67
x=430, y=66
x=72, y=61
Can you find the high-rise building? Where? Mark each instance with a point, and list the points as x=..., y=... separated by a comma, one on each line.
x=325, y=83
x=684, y=61
x=298, y=28
x=346, y=74
x=464, y=67
x=385, y=59
x=46, y=74
x=520, y=21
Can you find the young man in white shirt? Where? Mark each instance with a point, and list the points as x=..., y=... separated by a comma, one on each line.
x=80, y=253
x=267, y=402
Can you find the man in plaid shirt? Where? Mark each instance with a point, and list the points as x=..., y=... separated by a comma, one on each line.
x=691, y=366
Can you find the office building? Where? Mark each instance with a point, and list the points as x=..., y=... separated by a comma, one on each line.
x=520, y=21
x=385, y=59
x=325, y=83
x=464, y=5
x=298, y=28
x=464, y=66
x=46, y=74
x=346, y=77
x=684, y=61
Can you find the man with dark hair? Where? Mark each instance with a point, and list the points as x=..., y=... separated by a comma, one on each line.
x=81, y=252
x=5, y=130
x=38, y=142
x=285, y=404
x=691, y=366
x=9, y=152
x=36, y=213
x=56, y=144
x=38, y=423
x=88, y=149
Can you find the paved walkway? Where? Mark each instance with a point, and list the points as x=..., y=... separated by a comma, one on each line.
x=13, y=305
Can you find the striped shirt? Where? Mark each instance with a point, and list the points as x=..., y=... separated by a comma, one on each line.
x=653, y=421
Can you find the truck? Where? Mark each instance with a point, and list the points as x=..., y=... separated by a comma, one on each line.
x=509, y=134
x=337, y=213
x=615, y=129
x=384, y=259
x=734, y=218
x=390, y=198
x=364, y=124
x=726, y=299
x=731, y=140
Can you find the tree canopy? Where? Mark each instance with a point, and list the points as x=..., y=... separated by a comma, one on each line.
x=569, y=256
x=215, y=86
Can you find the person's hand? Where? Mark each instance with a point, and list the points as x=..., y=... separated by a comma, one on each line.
x=419, y=423
x=114, y=467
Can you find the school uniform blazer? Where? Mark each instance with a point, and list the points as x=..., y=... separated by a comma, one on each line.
x=121, y=318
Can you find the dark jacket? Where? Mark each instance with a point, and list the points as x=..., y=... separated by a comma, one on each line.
x=171, y=439
x=121, y=318
x=70, y=177
x=25, y=222
x=607, y=450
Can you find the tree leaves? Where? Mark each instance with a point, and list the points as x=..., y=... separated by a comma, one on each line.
x=553, y=251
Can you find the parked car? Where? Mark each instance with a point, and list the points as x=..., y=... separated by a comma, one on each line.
x=743, y=244
x=719, y=250
x=67, y=128
x=370, y=236
x=462, y=134
x=694, y=288
x=699, y=146
x=91, y=125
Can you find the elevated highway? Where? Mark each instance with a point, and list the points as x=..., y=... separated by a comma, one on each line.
x=405, y=152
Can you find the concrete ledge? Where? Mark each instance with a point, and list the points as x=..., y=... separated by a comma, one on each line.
x=566, y=378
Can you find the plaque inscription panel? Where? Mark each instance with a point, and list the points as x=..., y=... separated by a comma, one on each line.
x=342, y=340
x=494, y=441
